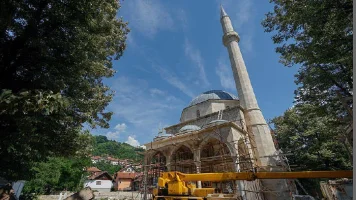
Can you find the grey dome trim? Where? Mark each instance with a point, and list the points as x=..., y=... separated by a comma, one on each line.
x=213, y=94
x=219, y=121
x=162, y=136
x=189, y=128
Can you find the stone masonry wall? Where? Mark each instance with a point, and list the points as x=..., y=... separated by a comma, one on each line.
x=102, y=195
x=231, y=114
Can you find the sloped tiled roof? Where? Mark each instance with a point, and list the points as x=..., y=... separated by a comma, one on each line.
x=93, y=169
x=125, y=175
x=99, y=175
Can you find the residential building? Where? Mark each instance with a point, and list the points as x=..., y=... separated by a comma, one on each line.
x=99, y=181
x=124, y=181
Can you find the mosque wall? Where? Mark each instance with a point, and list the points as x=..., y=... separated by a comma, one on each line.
x=222, y=105
x=233, y=114
x=190, y=113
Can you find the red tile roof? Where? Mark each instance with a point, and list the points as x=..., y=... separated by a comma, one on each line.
x=127, y=175
x=93, y=169
x=100, y=175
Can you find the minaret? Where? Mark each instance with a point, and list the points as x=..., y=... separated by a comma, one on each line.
x=256, y=123
x=254, y=118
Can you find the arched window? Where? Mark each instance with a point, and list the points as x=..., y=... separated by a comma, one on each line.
x=198, y=113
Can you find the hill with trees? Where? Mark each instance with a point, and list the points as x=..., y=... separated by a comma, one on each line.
x=105, y=147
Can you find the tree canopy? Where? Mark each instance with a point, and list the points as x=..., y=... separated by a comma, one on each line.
x=53, y=58
x=313, y=139
x=57, y=174
x=317, y=36
x=105, y=147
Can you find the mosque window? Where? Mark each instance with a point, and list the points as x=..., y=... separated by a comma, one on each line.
x=198, y=113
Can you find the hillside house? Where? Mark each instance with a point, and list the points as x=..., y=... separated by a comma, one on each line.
x=113, y=161
x=124, y=181
x=99, y=181
x=92, y=170
x=95, y=159
x=128, y=169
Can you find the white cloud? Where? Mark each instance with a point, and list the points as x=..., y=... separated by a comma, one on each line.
x=246, y=43
x=242, y=13
x=182, y=18
x=156, y=92
x=135, y=104
x=114, y=135
x=224, y=72
x=172, y=79
x=132, y=141
x=148, y=17
x=120, y=127
x=130, y=40
x=195, y=56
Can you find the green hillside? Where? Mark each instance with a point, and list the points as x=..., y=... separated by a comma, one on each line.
x=105, y=147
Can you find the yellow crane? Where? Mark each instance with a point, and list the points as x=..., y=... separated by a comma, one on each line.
x=177, y=186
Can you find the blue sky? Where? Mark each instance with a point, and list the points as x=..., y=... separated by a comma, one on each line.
x=175, y=53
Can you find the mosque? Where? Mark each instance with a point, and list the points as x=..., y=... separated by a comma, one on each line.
x=219, y=132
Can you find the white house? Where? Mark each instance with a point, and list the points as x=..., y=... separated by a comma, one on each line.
x=128, y=169
x=95, y=159
x=100, y=181
x=113, y=161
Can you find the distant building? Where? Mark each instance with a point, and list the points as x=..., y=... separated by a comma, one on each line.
x=100, y=181
x=124, y=181
x=92, y=170
x=128, y=169
x=113, y=161
x=337, y=189
x=95, y=159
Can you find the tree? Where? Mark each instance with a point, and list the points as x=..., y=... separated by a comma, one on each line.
x=317, y=35
x=53, y=58
x=57, y=174
x=313, y=139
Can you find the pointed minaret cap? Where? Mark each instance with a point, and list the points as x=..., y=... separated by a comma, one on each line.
x=222, y=12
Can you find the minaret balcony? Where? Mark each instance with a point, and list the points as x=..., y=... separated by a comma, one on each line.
x=229, y=37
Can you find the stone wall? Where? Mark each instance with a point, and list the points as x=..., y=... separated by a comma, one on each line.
x=233, y=114
x=102, y=195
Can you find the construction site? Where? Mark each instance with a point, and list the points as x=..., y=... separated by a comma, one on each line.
x=214, y=142
x=221, y=133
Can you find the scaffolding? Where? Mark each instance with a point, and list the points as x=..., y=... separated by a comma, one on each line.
x=215, y=156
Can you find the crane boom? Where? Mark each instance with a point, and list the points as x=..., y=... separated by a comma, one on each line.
x=250, y=176
x=176, y=185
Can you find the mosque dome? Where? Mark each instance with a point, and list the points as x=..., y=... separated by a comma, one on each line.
x=213, y=94
x=189, y=128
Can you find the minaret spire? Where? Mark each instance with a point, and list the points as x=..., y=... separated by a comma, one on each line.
x=256, y=123
x=222, y=12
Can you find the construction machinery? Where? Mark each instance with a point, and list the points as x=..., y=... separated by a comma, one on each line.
x=179, y=186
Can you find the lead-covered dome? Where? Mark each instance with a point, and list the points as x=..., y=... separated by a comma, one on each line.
x=213, y=94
